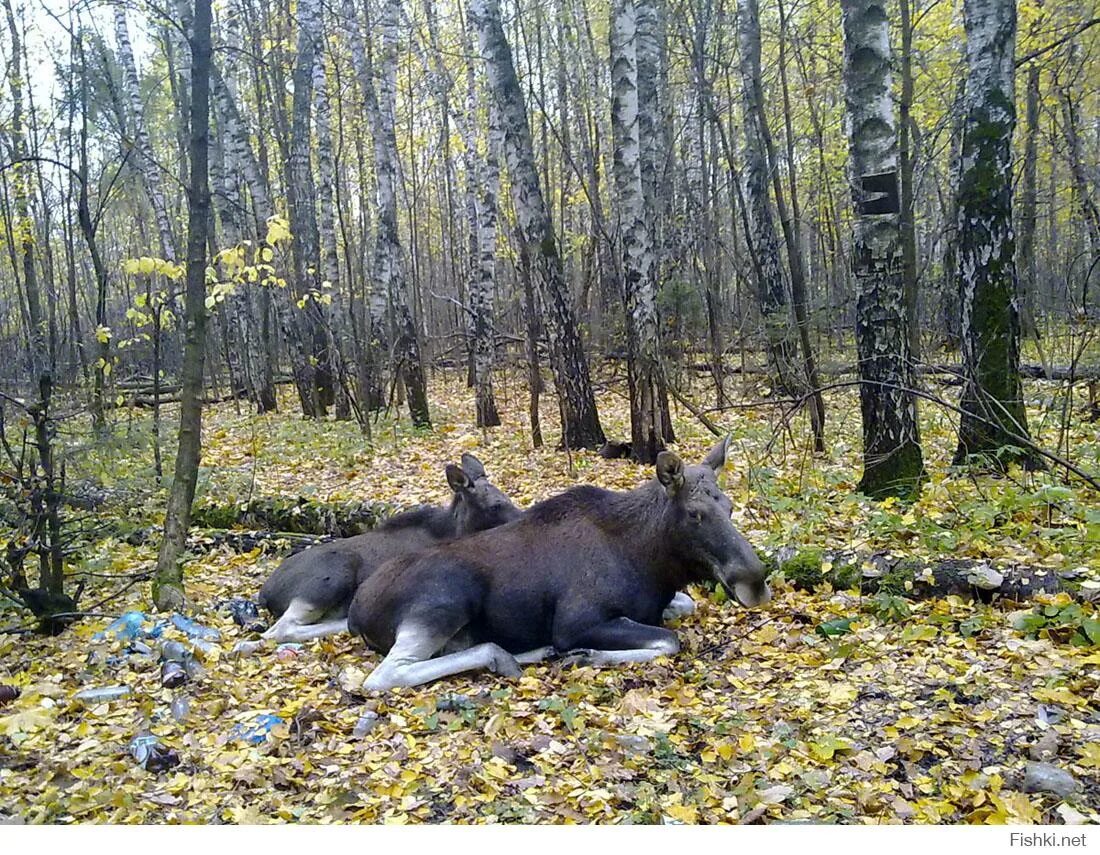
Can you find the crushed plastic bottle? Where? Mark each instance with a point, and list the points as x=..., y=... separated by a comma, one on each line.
x=101, y=695
x=180, y=708
x=177, y=653
x=151, y=755
x=194, y=630
x=130, y=626
x=258, y=731
x=247, y=648
x=174, y=651
x=245, y=614
x=173, y=674
x=368, y=721
x=287, y=651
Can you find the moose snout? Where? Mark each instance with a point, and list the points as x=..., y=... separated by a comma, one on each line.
x=751, y=595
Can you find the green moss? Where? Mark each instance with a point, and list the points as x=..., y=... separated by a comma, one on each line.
x=846, y=576
x=899, y=578
x=804, y=568
x=898, y=474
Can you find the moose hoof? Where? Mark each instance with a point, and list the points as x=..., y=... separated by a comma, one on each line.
x=504, y=663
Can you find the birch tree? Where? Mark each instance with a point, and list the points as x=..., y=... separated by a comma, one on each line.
x=648, y=418
x=994, y=422
x=763, y=237
x=389, y=264
x=302, y=208
x=580, y=421
x=147, y=161
x=892, y=459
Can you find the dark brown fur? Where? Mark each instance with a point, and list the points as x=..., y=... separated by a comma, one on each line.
x=326, y=576
x=576, y=562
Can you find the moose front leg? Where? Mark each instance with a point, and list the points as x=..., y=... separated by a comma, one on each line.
x=410, y=663
x=619, y=641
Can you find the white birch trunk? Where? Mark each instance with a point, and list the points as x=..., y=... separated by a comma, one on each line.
x=762, y=236
x=992, y=400
x=580, y=421
x=150, y=169
x=892, y=461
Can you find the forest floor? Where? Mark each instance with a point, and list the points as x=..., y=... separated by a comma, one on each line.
x=824, y=706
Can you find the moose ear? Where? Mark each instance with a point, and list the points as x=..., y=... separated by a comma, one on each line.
x=458, y=479
x=670, y=472
x=473, y=467
x=716, y=457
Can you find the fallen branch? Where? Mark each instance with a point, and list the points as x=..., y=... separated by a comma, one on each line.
x=920, y=578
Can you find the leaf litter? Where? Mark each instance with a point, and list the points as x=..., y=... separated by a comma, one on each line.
x=814, y=709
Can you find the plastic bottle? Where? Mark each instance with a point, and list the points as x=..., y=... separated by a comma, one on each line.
x=173, y=674
x=101, y=695
x=247, y=648
x=174, y=651
x=180, y=708
x=258, y=731
x=245, y=613
x=193, y=629
x=125, y=628
x=151, y=755
x=368, y=721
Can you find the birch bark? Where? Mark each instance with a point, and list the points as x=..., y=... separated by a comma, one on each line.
x=389, y=264
x=994, y=420
x=150, y=169
x=580, y=421
x=892, y=460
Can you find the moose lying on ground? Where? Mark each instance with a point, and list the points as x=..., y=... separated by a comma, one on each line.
x=588, y=572
x=309, y=593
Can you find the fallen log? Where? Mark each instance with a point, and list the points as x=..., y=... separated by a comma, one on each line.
x=919, y=579
x=294, y=516
x=205, y=540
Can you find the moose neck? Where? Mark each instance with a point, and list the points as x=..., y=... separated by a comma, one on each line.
x=642, y=519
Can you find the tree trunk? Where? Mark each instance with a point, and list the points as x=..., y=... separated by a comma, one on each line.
x=389, y=263
x=994, y=419
x=483, y=271
x=638, y=256
x=907, y=221
x=330, y=305
x=147, y=162
x=580, y=421
x=168, y=577
x=242, y=160
x=1028, y=207
x=892, y=460
x=762, y=235
x=301, y=206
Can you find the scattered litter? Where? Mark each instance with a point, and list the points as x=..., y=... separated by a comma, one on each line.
x=288, y=651
x=173, y=674
x=180, y=708
x=368, y=721
x=195, y=630
x=258, y=731
x=151, y=755
x=247, y=648
x=101, y=695
x=130, y=626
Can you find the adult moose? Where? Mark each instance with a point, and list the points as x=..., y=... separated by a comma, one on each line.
x=310, y=592
x=589, y=571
